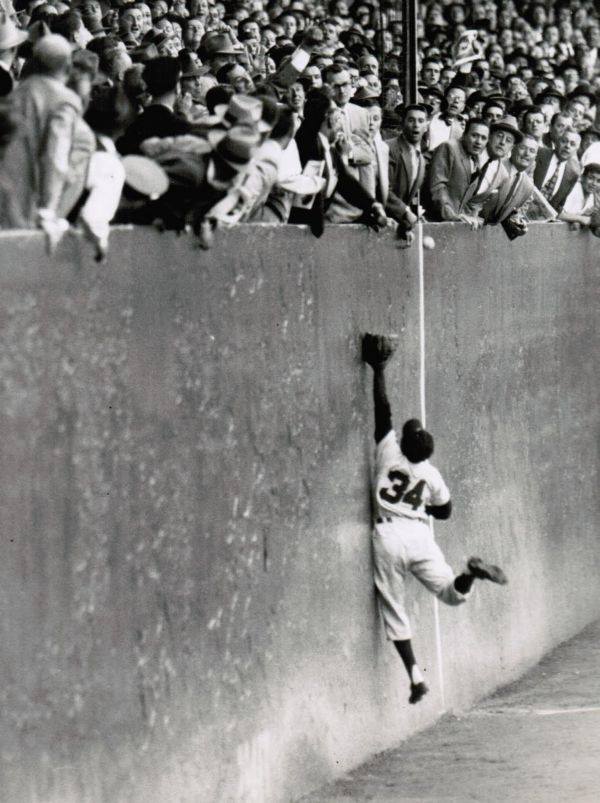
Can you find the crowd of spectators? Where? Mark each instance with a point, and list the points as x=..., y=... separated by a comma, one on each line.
x=195, y=114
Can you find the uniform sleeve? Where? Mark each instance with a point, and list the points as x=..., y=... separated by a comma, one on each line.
x=440, y=495
x=387, y=452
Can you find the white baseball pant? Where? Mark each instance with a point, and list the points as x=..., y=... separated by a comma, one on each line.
x=404, y=545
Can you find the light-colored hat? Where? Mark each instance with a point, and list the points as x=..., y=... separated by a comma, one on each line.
x=145, y=176
x=242, y=110
x=10, y=35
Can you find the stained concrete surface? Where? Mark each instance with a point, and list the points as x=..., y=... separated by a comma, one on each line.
x=535, y=740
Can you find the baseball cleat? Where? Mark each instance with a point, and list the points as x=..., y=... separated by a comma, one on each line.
x=377, y=349
x=417, y=692
x=486, y=571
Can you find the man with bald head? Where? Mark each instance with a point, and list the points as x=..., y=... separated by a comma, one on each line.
x=38, y=158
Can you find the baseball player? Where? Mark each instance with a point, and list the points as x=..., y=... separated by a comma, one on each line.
x=408, y=489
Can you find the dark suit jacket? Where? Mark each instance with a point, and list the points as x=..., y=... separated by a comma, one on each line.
x=347, y=186
x=155, y=121
x=404, y=185
x=569, y=179
x=6, y=82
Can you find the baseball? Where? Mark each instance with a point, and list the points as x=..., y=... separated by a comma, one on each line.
x=428, y=243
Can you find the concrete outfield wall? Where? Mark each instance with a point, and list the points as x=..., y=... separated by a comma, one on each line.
x=185, y=440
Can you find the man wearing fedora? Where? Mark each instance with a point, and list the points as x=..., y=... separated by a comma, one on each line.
x=201, y=171
x=513, y=194
x=218, y=49
x=11, y=38
x=493, y=174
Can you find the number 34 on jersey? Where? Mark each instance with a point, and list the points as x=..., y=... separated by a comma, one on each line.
x=406, y=488
x=396, y=492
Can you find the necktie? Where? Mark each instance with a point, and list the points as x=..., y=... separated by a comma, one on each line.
x=475, y=171
x=549, y=187
x=480, y=175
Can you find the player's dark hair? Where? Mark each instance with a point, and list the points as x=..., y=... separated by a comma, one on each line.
x=416, y=443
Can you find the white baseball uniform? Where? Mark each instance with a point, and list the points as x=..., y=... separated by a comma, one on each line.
x=402, y=538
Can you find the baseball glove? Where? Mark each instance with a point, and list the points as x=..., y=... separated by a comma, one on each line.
x=377, y=349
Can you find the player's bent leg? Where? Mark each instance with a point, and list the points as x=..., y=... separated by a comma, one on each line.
x=437, y=576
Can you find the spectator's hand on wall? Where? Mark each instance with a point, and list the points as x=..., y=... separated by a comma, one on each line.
x=378, y=217
x=410, y=219
x=405, y=239
x=205, y=234
x=473, y=221
x=53, y=227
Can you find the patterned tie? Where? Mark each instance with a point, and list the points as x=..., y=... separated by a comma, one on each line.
x=549, y=187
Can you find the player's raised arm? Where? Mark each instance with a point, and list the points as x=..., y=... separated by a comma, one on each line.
x=376, y=350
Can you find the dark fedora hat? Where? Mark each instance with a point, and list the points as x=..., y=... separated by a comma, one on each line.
x=584, y=90
x=436, y=91
x=509, y=124
x=364, y=93
x=217, y=44
x=235, y=147
x=549, y=92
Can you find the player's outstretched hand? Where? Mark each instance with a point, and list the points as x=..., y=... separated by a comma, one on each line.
x=377, y=349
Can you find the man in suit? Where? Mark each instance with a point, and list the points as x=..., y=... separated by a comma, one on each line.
x=354, y=118
x=447, y=125
x=513, y=194
x=407, y=167
x=161, y=76
x=37, y=159
x=493, y=176
x=369, y=163
x=455, y=170
x=556, y=173
x=318, y=140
